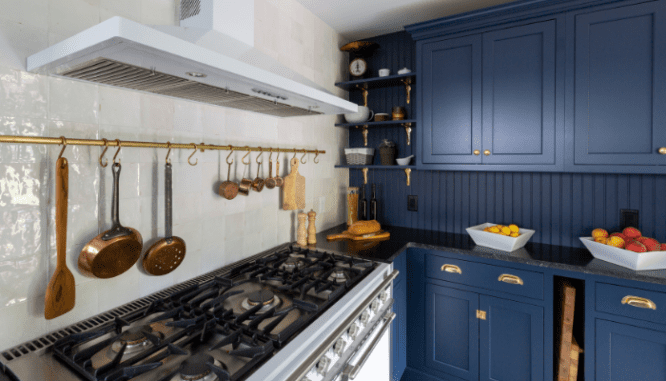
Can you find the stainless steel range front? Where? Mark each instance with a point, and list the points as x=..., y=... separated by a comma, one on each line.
x=287, y=314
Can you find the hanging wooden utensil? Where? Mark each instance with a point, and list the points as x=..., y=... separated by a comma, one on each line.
x=168, y=253
x=61, y=291
x=270, y=181
x=294, y=189
x=279, y=181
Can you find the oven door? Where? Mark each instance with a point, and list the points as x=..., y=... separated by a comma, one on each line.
x=373, y=360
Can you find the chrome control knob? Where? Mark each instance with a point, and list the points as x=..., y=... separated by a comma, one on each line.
x=375, y=306
x=365, y=317
x=353, y=331
x=383, y=296
x=322, y=365
x=339, y=347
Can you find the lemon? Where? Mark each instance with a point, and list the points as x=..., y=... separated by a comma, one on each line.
x=514, y=235
x=494, y=229
x=514, y=228
x=506, y=230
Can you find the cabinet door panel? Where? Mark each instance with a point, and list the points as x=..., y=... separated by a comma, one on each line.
x=452, y=341
x=399, y=330
x=619, y=102
x=511, y=341
x=451, y=100
x=628, y=353
x=519, y=95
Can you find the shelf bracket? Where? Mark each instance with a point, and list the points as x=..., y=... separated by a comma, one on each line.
x=408, y=172
x=365, y=175
x=408, y=130
x=364, y=91
x=365, y=135
x=408, y=88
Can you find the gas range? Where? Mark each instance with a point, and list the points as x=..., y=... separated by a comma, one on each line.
x=222, y=326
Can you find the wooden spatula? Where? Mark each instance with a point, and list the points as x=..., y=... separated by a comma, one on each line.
x=60, y=293
x=293, y=189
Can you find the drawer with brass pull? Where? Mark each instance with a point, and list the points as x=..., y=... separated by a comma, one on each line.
x=503, y=279
x=631, y=302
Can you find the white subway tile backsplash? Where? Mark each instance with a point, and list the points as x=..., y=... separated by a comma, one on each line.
x=217, y=232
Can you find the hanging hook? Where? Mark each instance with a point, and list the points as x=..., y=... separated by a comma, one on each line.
x=248, y=152
x=303, y=157
x=188, y=159
x=230, y=153
x=261, y=152
x=270, y=155
x=166, y=159
x=293, y=157
x=315, y=158
x=64, y=145
x=106, y=147
x=117, y=152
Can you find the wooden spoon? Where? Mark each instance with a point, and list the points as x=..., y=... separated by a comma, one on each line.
x=61, y=291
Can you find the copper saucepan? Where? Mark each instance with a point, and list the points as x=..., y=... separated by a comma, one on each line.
x=245, y=184
x=229, y=189
x=116, y=250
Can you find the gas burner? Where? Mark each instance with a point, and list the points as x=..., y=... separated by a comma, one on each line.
x=339, y=275
x=265, y=297
x=293, y=263
x=198, y=368
x=135, y=339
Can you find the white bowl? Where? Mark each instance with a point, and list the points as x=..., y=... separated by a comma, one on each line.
x=498, y=241
x=652, y=260
x=362, y=115
x=404, y=160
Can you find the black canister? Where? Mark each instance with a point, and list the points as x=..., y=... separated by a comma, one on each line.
x=387, y=152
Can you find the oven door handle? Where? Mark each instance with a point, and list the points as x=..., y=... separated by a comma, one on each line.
x=352, y=371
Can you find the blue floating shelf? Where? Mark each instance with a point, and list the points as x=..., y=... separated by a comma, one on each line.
x=374, y=124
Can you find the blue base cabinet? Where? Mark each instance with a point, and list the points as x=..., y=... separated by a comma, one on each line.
x=505, y=344
x=399, y=327
x=628, y=353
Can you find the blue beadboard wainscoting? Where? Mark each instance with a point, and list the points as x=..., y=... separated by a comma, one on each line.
x=560, y=206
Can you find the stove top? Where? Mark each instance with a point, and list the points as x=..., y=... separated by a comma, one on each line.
x=220, y=329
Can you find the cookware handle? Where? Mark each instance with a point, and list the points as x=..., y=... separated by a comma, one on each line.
x=62, y=194
x=167, y=203
x=117, y=230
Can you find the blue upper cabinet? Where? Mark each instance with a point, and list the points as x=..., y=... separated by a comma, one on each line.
x=519, y=95
x=490, y=99
x=619, y=106
x=451, y=99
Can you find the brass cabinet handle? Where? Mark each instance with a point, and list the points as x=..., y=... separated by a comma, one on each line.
x=662, y=151
x=636, y=301
x=451, y=269
x=477, y=152
x=511, y=279
x=486, y=152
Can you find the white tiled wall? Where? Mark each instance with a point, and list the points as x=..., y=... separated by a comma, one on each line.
x=216, y=231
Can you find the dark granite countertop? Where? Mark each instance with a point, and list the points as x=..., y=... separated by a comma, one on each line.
x=557, y=257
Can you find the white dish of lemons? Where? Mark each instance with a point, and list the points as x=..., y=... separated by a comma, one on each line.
x=500, y=237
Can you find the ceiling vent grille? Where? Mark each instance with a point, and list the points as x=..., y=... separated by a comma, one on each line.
x=189, y=8
x=109, y=72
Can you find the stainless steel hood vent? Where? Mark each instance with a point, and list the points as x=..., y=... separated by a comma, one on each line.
x=209, y=58
x=117, y=74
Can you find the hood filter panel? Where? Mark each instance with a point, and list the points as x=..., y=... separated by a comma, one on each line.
x=112, y=73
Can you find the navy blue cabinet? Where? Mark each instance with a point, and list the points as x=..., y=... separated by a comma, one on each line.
x=519, y=95
x=510, y=334
x=451, y=99
x=629, y=353
x=512, y=341
x=491, y=98
x=620, y=68
x=452, y=332
x=399, y=327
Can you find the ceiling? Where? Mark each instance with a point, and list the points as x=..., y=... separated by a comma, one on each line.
x=358, y=19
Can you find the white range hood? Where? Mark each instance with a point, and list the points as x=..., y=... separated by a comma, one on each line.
x=209, y=58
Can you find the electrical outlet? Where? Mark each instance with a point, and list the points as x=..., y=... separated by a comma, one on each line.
x=413, y=203
x=628, y=217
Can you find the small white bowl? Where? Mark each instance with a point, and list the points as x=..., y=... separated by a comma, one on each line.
x=498, y=241
x=404, y=160
x=404, y=70
x=384, y=72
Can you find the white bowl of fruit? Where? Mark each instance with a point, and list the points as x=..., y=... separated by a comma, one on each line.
x=627, y=249
x=500, y=237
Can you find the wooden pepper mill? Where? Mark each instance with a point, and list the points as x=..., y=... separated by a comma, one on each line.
x=302, y=231
x=312, y=229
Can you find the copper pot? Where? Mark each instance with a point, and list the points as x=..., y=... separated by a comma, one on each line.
x=245, y=184
x=229, y=189
x=270, y=181
x=116, y=250
x=258, y=182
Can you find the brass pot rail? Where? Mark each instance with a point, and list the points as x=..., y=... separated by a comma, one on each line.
x=134, y=144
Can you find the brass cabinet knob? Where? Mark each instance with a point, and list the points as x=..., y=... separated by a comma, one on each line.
x=486, y=152
x=662, y=151
x=477, y=152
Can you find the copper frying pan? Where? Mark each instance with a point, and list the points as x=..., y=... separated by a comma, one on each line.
x=116, y=250
x=168, y=253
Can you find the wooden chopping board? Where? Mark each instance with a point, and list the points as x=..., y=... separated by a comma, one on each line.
x=362, y=237
x=293, y=190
